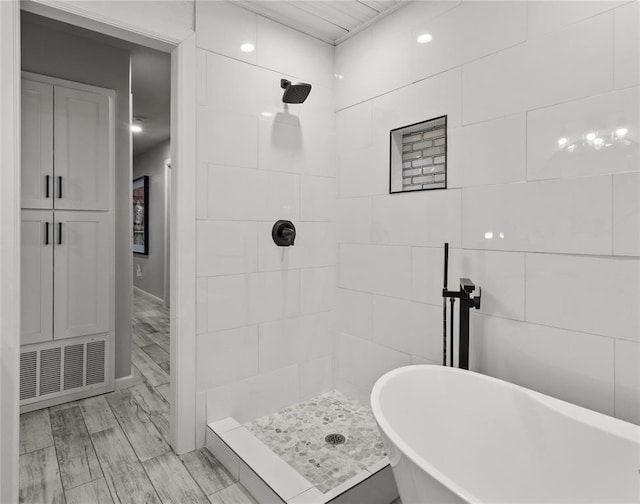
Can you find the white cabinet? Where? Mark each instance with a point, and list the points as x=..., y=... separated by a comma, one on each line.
x=81, y=147
x=37, y=145
x=81, y=287
x=66, y=147
x=36, y=276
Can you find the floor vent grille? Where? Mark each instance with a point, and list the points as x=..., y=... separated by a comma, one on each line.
x=53, y=369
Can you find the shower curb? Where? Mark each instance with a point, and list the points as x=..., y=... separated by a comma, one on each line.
x=271, y=480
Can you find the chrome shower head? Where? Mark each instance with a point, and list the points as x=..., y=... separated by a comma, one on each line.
x=294, y=92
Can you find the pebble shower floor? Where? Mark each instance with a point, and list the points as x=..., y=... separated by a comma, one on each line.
x=297, y=434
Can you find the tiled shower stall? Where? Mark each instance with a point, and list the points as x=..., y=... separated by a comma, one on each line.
x=541, y=205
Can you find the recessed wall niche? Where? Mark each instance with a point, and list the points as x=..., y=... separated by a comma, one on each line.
x=418, y=156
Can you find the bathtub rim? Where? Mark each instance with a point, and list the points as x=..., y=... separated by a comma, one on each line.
x=611, y=425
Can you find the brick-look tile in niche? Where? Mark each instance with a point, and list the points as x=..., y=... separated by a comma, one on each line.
x=418, y=156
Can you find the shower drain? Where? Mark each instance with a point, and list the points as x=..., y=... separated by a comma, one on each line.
x=335, y=439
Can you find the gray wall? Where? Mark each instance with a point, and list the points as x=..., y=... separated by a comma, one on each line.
x=51, y=52
x=151, y=163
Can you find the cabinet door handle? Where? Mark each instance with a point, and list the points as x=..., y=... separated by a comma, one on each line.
x=46, y=233
x=46, y=186
x=60, y=187
x=59, y=233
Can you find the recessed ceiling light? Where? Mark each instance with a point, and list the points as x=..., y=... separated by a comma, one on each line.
x=135, y=128
x=562, y=142
x=248, y=47
x=424, y=38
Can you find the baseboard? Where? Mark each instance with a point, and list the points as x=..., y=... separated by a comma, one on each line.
x=145, y=293
x=126, y=382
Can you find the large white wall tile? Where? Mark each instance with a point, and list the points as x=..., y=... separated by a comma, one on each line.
x=427, y=274
x=315, y=245
x=361, y=362
x=466, y=33
x=317, y=289
x=254, y=397
x=628, y=381
x=433, y=97
x=378, y=269
x=287, y=143
x=317, y=198
x=494, y=217
x=354, y=313
x=424, y=218
x=545, y=17
x=224, y=300
x=490, y=152
x=627, y=45
x=316, y=377
x=377, y=61
x=571, y=123
x=231, y=85
x=226, y=247
x=626, y=214
x=541, y=72
x=590, y=294
x=353, y=221
x=227, y=356
x=409, y=327
x=273, y=295
x=565, y=215
x=227, y=138
x=364, y=172
x=571, y=215
x=238, y=300
x=501, y=275
x=287, y=50
x=353, y=127
x=243, y=194
x=568, y=365
x=222, y=27
x=295, y=341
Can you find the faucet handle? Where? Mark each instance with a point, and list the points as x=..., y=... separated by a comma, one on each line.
x=475, y=301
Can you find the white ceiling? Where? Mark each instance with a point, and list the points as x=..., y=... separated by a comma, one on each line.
x=328, y=20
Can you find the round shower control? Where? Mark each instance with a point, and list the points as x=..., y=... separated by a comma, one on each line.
x=283, y=233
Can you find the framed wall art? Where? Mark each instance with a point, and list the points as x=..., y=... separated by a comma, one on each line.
x=141, y=215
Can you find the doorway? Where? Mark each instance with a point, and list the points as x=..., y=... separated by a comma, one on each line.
x=183, y=124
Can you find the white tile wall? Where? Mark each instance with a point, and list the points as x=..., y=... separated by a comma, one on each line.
x=314, y=246
x=229, y=148
x=513, y=79
x=627, y=378
x=409, y=327
x=491, y=152
x=424, y=218
x=378, y=269
x=597, y=295
x=627, y=45
x=243, y=194
x=226, y=247
x=295, y=341
x=626, y=214
x=227, y=356
x=569, y=365
x=568, y=215
x=491, y=25
x=317, y=289
x=542, y=71
x=574, y=121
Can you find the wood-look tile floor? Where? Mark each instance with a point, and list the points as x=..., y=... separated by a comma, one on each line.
x=114, y=448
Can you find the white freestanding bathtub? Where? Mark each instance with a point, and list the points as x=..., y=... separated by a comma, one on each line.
x=459, y=436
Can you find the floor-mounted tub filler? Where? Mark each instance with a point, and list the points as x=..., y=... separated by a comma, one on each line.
x=457, y=436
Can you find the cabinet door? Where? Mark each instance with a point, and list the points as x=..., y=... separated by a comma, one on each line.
x=82, y=154
x=37, y=145
x=82, y=273
x=36, y=276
